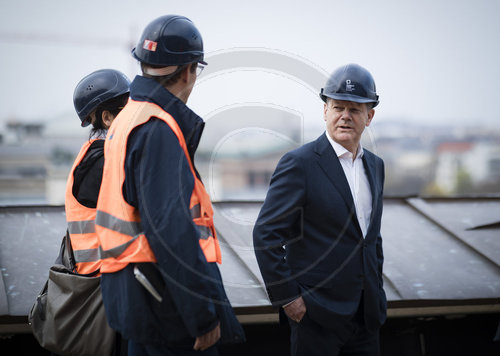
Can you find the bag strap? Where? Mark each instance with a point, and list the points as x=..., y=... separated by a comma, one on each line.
x=66, y=256
x=69, y=252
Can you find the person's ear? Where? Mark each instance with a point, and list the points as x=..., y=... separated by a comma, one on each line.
x=186, y=72
x=371, y=113
x=107, y=118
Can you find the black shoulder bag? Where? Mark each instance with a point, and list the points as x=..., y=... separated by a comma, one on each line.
x=68, y=316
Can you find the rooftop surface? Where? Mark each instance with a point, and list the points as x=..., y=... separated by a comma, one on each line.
x=442, y=256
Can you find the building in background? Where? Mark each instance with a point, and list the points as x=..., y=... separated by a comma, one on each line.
x=241, y=146
x=465, y=166
x=35, y=159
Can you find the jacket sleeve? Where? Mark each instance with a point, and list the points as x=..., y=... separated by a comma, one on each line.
x=279, y=223
x=159, y=182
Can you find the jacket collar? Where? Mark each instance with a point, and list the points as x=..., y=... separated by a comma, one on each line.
x=370, y=169
x=330, y=164
x=191, y=125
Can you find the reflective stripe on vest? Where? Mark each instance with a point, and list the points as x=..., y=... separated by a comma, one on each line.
x=118, y=227
x=81, y=227
x=129, y=228
x=81, y=224
x=205, y=231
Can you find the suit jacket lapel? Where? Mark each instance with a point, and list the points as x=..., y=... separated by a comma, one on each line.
x=369, y=164
x=330, y=164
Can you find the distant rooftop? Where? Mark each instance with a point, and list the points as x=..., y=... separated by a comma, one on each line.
x=457, y=147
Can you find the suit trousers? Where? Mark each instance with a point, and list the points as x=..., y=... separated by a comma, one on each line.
x=350, y=337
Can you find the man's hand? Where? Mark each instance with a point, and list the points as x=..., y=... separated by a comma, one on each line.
x=296, y=309
x=203, y=342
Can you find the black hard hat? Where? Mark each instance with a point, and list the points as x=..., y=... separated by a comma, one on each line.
x=96, y=88
x=351, y=83
x=170, y=40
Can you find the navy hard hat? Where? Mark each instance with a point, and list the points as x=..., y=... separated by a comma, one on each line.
x=170, y=40
x=351, y=82
x=97, y=88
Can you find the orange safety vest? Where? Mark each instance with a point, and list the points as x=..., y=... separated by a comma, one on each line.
x=81, y=226
x=118, y=227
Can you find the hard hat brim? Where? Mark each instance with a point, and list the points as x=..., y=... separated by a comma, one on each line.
x=176, y=64
x=347, y=97
x=85, y=122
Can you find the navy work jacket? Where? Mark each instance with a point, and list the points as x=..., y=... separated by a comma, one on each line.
x=158, y=181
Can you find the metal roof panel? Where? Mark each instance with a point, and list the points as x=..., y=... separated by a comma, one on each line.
x=430, y=255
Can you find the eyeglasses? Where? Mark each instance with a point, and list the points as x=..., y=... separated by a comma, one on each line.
x=199, y=69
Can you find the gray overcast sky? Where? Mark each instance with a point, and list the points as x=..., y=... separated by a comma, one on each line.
x=435, y=61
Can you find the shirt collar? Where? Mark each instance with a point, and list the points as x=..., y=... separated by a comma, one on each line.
x=341, y=150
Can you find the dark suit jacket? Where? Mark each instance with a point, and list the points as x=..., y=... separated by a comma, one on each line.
x=309, y=209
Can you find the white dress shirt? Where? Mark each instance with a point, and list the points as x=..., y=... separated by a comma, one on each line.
x=358, y=182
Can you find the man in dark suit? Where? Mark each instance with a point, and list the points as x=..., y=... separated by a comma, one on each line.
x=317, y=238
